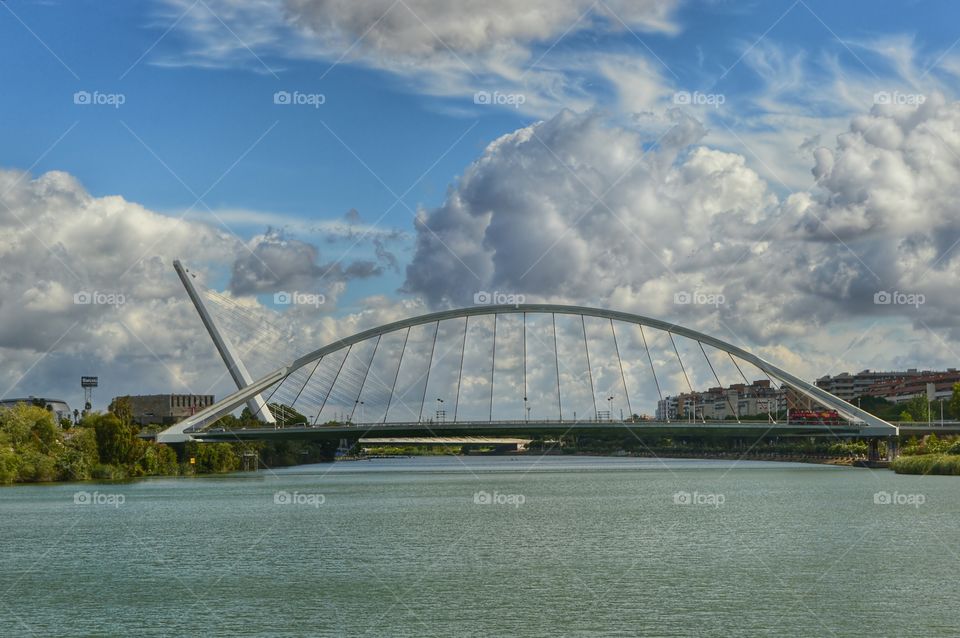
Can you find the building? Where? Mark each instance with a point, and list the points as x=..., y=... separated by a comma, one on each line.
x=904, y=389
x=59, y=408
x=850, y=386
x=737, y=400
x=896, y=386
x=166, y=409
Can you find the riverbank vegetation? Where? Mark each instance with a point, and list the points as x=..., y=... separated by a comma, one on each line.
x=34, y=448
x=929, y=455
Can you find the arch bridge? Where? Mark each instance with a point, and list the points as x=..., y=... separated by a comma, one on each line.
x=527, y=368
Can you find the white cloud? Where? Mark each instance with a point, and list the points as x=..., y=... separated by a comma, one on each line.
x=524, y=217
x=439, y=48
x=135, y=326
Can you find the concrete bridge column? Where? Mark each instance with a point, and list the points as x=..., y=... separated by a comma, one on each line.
x=893, y=448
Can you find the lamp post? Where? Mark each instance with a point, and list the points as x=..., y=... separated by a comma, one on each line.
x=440, y=414
x=610, y=408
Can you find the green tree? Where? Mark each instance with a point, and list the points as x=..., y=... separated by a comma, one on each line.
x=954, y=403
x=115, y=440
x=123, y=409
x=918, y=408
x=80, y=455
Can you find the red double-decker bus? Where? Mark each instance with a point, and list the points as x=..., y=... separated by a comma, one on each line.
x=815, y=417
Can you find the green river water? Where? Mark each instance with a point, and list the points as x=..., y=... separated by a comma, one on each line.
x=492, y=546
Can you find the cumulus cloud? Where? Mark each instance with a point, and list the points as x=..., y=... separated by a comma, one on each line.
x=87, y=287
x=578, y=209
x=273, y=263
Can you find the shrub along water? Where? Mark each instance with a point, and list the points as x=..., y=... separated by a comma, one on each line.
x=947, y=464
x=34, y=448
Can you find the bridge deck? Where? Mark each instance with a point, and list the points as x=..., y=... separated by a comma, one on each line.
x=526, y=428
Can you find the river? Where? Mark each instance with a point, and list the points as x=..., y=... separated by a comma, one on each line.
x=488, y=546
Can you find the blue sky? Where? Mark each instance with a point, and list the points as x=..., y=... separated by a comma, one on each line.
x=200, y=137
x=200, y=120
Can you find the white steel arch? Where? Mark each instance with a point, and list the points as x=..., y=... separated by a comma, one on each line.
x=873, y=426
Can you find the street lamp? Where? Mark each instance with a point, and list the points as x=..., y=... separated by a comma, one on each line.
x=441, y=416
x=610, y=408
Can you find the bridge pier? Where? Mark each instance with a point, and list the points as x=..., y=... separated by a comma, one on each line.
x=893, y=448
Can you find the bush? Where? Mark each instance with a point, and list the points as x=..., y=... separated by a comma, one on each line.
x=945, y=464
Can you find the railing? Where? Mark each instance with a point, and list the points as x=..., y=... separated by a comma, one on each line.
x=532, y=422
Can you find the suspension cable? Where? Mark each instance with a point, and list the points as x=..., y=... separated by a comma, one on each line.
x=426, y=381
x=366, y=372
x=652, y=369
x=684, y=370
x=623, y=377
x=593, y=393
x=493, y=363
x=719, y=383
x=463, y=350
x=556, y=357
x=393, y=388
x=333, y=383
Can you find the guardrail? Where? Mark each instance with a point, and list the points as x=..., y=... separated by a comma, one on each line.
x=531, y=422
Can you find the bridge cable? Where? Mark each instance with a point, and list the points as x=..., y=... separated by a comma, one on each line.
x=463, y=350
x=426, y=381
x=623, y=377
x=596, y=413
x=652, y=369
x=684, y=370
x=556, y=357
x=310, y=376
x=719, y=383
x=333, y=383
x=737, y=366
x=393, y=388
x=367, y=372
x=525, y=409
x=493, y=362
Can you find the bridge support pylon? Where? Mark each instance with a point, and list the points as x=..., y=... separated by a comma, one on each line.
x=228, y=353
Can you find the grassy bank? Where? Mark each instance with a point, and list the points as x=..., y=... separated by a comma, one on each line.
x=945, y=464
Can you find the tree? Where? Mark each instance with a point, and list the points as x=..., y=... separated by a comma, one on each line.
x=918, y=408
x=954, y=403
x=123, y=409
x=115, y=440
